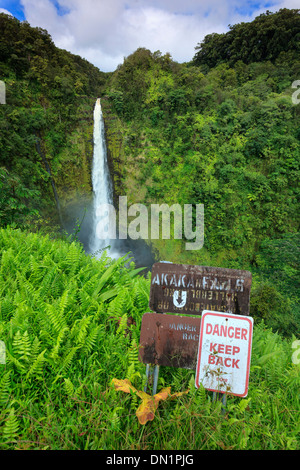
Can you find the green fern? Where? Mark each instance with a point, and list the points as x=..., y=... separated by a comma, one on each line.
x=115, y=308
x=36, y=368
x=201, y=395
x=35, y=348
x=141, y=294
x=56, y=318
x=122, y=324
x=90, y=286
x=11, y=427
x=54, y=353
x=108, y=274
x=5, y=388
x=63, y=301
x=6, y=308
x=134, y=363
x=292, y=377
x=85, y=300
x=67, y=359
x=133, y=353
x=242, y=405
x=46, y=283
x=91, y=339
x=79, y=329
x=14, y=361
x=69, y=387
x=22, y=346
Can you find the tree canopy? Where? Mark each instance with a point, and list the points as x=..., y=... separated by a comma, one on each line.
x=264, y=38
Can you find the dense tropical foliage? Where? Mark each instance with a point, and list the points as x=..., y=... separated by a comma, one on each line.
x=222, y=131
x=224, y=134
x=45, y=125
x=64, y=320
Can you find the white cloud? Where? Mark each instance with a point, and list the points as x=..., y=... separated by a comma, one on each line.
x=2, y=10
x=106, y=31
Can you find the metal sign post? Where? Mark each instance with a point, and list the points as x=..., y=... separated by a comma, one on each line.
x=173, y=340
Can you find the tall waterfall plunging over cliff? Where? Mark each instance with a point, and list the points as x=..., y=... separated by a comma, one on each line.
x=98, y=230
x=102, y=185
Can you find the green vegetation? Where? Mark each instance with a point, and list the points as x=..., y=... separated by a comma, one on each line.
x=224, y=134
x=46, y=126
x=264, y=39
x=220, y=131
x=64, y=321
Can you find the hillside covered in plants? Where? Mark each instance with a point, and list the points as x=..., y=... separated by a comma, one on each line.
x=46, y=126
x=64, y=319
x=222, y=131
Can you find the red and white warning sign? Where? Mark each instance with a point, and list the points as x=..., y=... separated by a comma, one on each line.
x=224, y=354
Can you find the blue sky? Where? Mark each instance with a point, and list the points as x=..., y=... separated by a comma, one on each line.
x=14, y=7
x=106, y=31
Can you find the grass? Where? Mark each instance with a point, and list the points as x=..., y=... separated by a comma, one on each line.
x=63, y=319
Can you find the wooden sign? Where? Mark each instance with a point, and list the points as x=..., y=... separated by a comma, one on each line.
x=169, y=340
x=188, y=289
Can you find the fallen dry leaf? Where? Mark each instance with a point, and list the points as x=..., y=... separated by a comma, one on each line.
x=146, y=410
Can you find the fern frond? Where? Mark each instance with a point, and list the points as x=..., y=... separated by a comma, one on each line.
x=54, y=353
x=37, y=366
x=108, y=274
x=91, y=339
x=46, y=283
x=69, y=387
x=85, y=300
x=13, y=360
x=116, y=306
x=67, y=359
x=11, y=427
x=79, y=330
x=7, y=308
x=201, y=395
x=141, y=294
x=4, y=388
x=122, y=324
x=133, y=353
x=56, y=318
x=35, y=348
x=91, y=285
x=63, y=303
x=22, y=346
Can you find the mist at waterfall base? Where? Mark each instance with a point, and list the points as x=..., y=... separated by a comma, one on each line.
x=82, y=215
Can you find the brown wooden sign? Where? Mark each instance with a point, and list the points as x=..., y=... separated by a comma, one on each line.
x=188, y=289
x=169, y=340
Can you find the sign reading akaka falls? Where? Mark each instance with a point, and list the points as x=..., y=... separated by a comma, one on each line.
x=172, y=340
x=179, y=288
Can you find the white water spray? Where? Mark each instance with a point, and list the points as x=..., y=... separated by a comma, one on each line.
x=102, y=186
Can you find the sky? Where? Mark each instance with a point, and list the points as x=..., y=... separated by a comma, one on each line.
x=106, y=31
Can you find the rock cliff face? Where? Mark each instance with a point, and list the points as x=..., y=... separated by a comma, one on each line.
x=115, y=148
x=72, y=169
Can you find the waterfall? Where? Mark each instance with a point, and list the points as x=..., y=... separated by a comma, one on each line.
x=103, y=194
x=102, y=185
